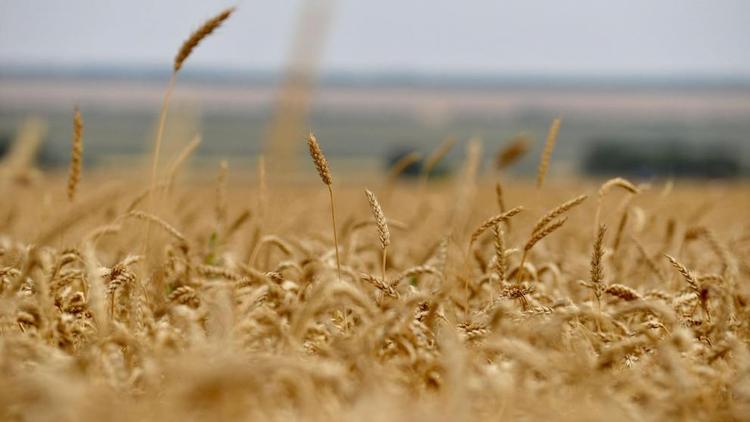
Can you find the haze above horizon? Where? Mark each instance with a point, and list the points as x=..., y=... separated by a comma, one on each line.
x=613, y=38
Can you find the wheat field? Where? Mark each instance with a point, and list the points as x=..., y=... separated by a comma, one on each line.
x=233, y=309
x=479, y=296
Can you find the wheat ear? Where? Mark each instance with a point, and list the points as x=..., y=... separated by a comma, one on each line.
x=623, y=292
x=221, y=196
x=554, y=213
x=181, y=159
x=383, y=232
x=597, y=269
x=321, y=164
x=76, y=155
x=549, y=146
x=501, y=263
x=618, y=182
x=517, y=147
x=151, y=218
x=187, y=47
x=435, y=156
x=684, y=272
x=534, y=239
x=198, y=35
x=491, y=222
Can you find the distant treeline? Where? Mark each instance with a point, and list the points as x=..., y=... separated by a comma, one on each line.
x=662, y=157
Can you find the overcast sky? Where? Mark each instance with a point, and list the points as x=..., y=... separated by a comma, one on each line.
x=610, y=37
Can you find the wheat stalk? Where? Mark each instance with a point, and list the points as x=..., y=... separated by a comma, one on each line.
x=198, y=35
x=181, y=159
x=597, y=269
x=618, y=182
x=144, y=216
x=501, y=265
x=541, y=234
x=435, y=156
x=556, y=212
x=517, y=147
x=623, y=292
x=401, y=165
x=597, y=272
x=685, y=273
x=76, y=154
x=499, y=197
x=221, y=196
x=383, y=233
x=491, y=222
x=549, y=146
x=319, y=159
x=546, y=225
x=321, y=164
x=187, y=47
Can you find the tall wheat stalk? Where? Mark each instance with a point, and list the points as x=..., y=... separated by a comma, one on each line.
x=549, y=146
x=187, y=47
x=383, y=233
x=76, y=155
x=321, y=164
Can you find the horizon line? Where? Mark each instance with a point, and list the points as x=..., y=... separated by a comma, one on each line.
x=385, y=77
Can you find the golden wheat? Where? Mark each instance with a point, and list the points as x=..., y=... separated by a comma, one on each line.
x=238, y=316
x=321, y=164
x=549, y=146
x=76, y=155
x=198, y=35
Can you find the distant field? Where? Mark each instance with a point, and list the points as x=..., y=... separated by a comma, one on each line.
x=366, y=122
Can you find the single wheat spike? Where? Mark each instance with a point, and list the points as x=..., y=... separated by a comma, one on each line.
x=549, y=146
x=501, y=264
x=436, y=155
x=221, y=194
x=396, y=170
x=383, y=233
x=617, y=182
x=140, y=215
x=533, y=240
x=76, y=155
x=597, y=270
x=492, y=221
x=187, y=47
x=684, y=272
x=377, y=212
x=623, y=292
x=517, y=147
x=181, y=159
x=554, y=213
x=620, y=229
x=541, y=234
x=609, y=184
x=321, y=164
x=319, y=159
x=198, y=35
x=499, y=197
x=501, y=202
x=401, y=165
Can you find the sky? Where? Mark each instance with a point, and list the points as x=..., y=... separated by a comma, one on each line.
x=552, y=37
